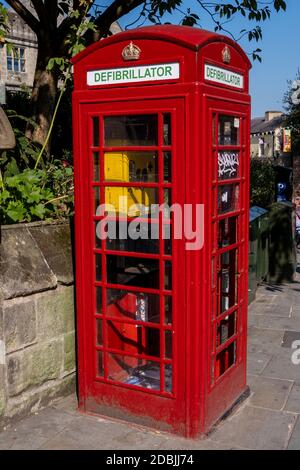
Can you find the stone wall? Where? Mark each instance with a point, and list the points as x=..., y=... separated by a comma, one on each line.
x=37, y=321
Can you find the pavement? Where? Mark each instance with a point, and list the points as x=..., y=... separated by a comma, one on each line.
x=268, y=420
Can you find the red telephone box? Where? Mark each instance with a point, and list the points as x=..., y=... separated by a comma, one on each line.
x=161, y=116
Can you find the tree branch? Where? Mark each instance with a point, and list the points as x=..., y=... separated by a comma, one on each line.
x=51, y=8
x=116, y=10
x=64, y=27
x=41, y=12
x=25, y=14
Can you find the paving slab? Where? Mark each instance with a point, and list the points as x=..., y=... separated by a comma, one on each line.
x=264, y=341
x=294, y=443
x=269, y=393
x=282, y=310
x=296, y=311
x=90, y=432
x=257, y=362
x=68, y=404
x=281, y=366
x=276, y=323
x=293, y=402
x=35, y=430
x=190, y=444
x=256, y=429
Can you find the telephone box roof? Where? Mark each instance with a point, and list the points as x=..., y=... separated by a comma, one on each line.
x=186, y=36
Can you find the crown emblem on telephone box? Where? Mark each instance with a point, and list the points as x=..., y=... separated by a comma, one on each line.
x=226, y=55
x=131, y=52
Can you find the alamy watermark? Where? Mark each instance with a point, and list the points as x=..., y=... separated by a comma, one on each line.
x=296, y=353
x=140, y=222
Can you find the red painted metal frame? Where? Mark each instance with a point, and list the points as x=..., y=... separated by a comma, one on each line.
x=199, y=399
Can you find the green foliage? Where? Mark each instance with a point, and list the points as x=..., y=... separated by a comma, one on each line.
x=262, y=182
x=28, y=194
x=75, y=41
x=26, y=151
x=31, y=195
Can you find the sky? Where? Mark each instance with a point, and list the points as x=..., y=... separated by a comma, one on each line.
x=280, y=53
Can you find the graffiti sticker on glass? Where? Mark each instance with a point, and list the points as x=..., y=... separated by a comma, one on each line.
x=228, y=165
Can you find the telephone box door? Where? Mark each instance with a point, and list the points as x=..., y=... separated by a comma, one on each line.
x=132, y=313
x=227, y=147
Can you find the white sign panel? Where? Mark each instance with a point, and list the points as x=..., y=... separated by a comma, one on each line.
x=144, y=73
x=223, y=76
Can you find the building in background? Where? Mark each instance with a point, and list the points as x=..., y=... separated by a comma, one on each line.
x=272, y=140
x=268, y=136
x=17, y=64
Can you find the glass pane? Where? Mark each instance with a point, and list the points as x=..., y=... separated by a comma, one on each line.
x=227, y=232
x=228, y=198
x=130, y=130
x=141, y=237
x=128, y=201
x=133, y=305
x=229, y=130
x=225, y=281
x=225, y=359
x=22, y=53
x=22, y=65
x=134, y=371
x=168, y=378
x=99, y=332
x=226, y=329
x=214, y=119
x=228, y=165
x=96, y=136
x=167, y=129
x=99, y=300
x=96, y=200
x=131, y=166
x=16, y=65
x=100, y=368
x=96, y=166
x=167, y=167
x=137, y=272
x=168, y=310
x=228, y=281
x=9, y=63
x=168, y=275
x=168, y=240
x=98, y=268
x=167, y=197
x=98, y=235
x=135, y=339
x=168, y=344
x=167, y=203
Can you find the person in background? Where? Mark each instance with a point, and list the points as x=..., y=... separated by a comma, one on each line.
x=297, y=212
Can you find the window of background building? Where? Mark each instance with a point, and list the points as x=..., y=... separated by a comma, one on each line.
x=16, y=59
